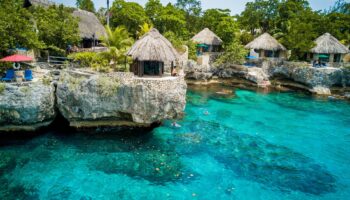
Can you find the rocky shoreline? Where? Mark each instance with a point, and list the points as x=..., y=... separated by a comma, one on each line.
x=89, y=100
x=319, y=81
x=92, y=100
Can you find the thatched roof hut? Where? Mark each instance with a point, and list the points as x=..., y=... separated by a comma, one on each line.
x=206, y=36
x=265, y=42
x=89, y=25
x=150, y=53
x=153, y=47
x=44, y=3
x=327, y=44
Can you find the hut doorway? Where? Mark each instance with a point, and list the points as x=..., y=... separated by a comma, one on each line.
x=337, y=58
x=153, y=68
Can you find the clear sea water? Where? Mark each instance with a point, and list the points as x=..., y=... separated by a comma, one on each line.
x=248, y=145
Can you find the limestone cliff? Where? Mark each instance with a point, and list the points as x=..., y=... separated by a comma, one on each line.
x=26, y=106
x=93, y=100
x=318, y=80
x=315, y=80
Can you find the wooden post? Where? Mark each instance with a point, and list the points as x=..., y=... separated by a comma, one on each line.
x=171, y=68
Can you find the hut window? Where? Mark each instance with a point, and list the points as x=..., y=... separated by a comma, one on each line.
x=152, y=68
x=271, y=54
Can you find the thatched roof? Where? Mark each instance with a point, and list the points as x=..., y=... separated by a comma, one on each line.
x=44, y=3
x=207, y=36
x=328, y=44
x=89, y=25
x=153, y=47
x=265, y=42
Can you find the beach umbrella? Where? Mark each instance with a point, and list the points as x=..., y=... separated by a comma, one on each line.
x=16, y=58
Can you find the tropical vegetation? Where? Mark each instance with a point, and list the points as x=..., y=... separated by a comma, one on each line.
x=292, y=22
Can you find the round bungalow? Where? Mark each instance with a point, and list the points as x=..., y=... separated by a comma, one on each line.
x=266, y=46
x=207, y=41
x=328, y=49
x=150, y=53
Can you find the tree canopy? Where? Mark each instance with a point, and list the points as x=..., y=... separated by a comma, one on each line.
x=87, y=5
x=16, y=29
x=56, y=27
x=128, y=14
x=292, y=22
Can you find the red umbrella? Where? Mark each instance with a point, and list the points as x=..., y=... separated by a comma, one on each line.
x=16, y=58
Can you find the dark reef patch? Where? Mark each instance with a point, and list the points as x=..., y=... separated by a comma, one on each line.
x=255, y=159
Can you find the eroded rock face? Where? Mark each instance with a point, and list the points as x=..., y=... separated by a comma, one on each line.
x=119, y=99
x=198, y=72
x=27, y=107
x=202, y=72
x=318, y=80
x=258, y=76
x=310, y=76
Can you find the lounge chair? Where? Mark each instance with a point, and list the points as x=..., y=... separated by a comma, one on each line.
x=28, y=75
x=10, y=75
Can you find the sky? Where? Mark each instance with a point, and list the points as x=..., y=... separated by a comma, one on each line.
x=236, y=6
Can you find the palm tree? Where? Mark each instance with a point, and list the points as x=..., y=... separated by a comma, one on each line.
x=118, y=42
x=145, y=28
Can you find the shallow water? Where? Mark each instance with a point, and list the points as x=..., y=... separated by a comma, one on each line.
x=244, y=146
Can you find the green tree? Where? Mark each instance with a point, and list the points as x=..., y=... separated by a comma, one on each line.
x=297, y=26
x=235, y=53
x=222, y=23
x=87, y=5
x=337, y=21
x=153, y=9
x=192, y=7
x=171, y=19
x=128, y=14
x=16, y=27
x=56, y=26
x=212, y=17
x=299, y=37
x=260, y=14
x=193, y=11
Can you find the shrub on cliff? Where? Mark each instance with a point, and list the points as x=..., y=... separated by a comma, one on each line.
x=2, y=87
x=107, y=86
x=235, y=53
x=85, y=59
x=101, y=62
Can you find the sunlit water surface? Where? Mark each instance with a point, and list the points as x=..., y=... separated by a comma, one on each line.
x=244, y=146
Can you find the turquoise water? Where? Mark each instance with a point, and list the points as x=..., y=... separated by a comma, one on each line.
x=244, y=146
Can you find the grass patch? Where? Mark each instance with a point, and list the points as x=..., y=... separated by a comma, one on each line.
x=46, y=80
x=2, y=87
